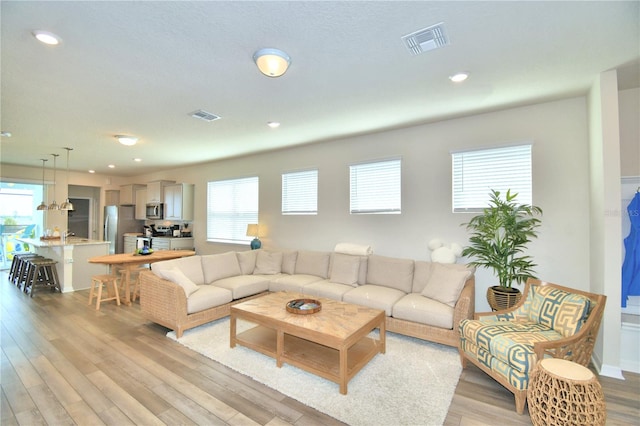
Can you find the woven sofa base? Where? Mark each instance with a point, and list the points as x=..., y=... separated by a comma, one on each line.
x=423, y=331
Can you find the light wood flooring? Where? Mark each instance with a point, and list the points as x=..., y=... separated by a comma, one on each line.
x=62, y=362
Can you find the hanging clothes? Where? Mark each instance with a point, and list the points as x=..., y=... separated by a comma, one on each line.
x=631, y=265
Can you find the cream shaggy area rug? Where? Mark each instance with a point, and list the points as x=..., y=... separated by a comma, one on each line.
x=411, y=384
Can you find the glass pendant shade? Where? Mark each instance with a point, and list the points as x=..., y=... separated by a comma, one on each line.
x=42, y=205
x=67, y=205
x=54, y=205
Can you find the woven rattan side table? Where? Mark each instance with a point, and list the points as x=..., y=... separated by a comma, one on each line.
x=562, y=392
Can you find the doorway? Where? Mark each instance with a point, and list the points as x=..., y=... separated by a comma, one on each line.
x=78, y=220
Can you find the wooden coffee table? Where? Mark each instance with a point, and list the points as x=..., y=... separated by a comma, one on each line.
x=332, y=343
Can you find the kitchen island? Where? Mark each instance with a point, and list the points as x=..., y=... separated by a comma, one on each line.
x=72, y=254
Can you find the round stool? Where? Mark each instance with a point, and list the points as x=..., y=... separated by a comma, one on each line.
x=562, y=392
x=100, y=281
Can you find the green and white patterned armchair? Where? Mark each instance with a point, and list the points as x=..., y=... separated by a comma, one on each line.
x=549, y=321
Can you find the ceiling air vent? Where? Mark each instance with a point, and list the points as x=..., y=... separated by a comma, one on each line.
x=426, y=39
x=204, y=115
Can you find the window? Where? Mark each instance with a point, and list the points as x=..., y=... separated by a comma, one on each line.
x=375, y=187
x=477, y=172
x=300, y=192
x=231, y=206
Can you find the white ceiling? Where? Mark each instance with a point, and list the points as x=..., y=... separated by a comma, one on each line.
x=140, y=68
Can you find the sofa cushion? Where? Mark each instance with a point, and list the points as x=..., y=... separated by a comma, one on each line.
x=562, y=311
x=390, y=272
x=326, y=288
x=294, y=283
x=243, y=285
x=313, y=263
x=268, y=262
x=289, y=262
x=345, y=269
x=218, y=266
x=247, y=261
x=445, y=283
x=374, y=296
x=175, y=275
x=206, y=297
x=191, y=266
x=417, y=308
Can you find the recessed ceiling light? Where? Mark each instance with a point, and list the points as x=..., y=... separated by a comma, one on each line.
x=273, y=124
x=459, y=77
x=5, y=134
x=111, y=166
x=127, y=140
x=46, y=37
x=92, y=171
x=137, y=160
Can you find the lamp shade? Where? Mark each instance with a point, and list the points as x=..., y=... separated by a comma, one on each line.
x=252, y=230
x=272, y=62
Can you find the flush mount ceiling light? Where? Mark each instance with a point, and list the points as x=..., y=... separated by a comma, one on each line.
x=459, y=77
x=127, y=140
x=46, y=37
x=273, y=124
x=272, y=62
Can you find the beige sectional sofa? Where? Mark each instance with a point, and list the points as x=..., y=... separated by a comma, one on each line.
x=421, y=299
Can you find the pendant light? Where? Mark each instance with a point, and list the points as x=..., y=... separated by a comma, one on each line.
x=42, y=205
x=54, y=205
x=67, y=205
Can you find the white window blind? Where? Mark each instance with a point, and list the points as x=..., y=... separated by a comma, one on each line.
x=300, y=192
x=477, y=172
x=231, y=206
x=375, y=187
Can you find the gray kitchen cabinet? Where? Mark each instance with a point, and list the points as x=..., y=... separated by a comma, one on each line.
x=128, y=194
x=178, y=200
x=141, y=204
x=155, y=190
x=130, y=244
x=167, y=243
x=111, y=197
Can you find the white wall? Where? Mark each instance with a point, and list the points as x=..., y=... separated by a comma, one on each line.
x=558, y=131
x=606, y=226
x=629, y=101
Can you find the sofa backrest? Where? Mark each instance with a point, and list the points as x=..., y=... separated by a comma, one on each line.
x=390, y=272
x=219, y=266
x=313, y=263
x=191, y=266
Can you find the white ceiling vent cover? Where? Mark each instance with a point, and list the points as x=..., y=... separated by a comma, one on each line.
x=204, y=115
x=426, y=39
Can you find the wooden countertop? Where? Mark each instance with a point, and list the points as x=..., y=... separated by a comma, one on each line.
x=130, y=258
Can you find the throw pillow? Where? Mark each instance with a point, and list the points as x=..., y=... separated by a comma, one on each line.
x=345, y=269
x=445, y=284
x=175, y=275
x=268, y=263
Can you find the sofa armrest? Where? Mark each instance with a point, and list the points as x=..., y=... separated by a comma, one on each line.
x=465, y=306
x=161, y=300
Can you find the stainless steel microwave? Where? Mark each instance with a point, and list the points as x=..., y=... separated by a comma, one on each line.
x=155, y=211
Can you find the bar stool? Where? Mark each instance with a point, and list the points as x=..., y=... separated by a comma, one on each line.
x=100, y=281
x=42, y=273
x=22, y=269
x=134, y=275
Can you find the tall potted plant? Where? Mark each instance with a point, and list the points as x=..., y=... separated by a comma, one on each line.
x=499, y=238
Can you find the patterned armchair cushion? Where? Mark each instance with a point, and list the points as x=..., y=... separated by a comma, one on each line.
x=510, y=342
x=562, y=311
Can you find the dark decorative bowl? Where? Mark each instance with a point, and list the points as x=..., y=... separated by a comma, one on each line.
x=303, y=306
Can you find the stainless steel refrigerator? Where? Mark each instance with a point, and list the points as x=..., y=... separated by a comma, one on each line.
x=117, y=221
